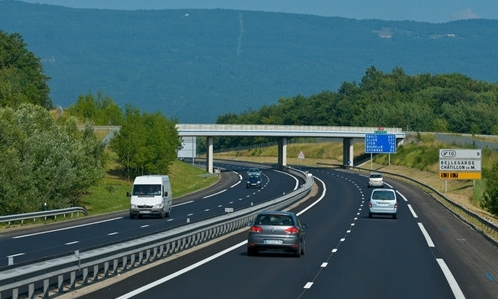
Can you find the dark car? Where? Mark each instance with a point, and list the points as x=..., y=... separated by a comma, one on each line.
x=253, y=180
x=276, y=231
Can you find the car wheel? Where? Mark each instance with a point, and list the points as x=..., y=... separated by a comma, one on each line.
x=132, y=216
x=251, y=251
x=369, y=215
x=168, y=213
x=297, y=253
x=395, y=216
x=303, y=248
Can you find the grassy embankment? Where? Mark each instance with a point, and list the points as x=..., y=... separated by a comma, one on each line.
x=110, y=194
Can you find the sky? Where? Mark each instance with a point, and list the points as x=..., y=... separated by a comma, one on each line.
x=433, y=11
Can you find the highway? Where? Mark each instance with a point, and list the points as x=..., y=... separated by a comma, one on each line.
x=64, y=239
x=426, y=253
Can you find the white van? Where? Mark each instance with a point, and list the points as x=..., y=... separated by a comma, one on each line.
x=151, y=195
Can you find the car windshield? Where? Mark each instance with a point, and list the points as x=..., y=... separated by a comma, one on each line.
x=274, y=220
x=383, y=195
x=147, y=190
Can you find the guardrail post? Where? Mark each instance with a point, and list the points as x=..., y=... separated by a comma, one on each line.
x=31, y=290
x=114, y=267
x=95, y=273
x=106, y=269
x=46, y=287
x=147, y=256
x=72, y=283
x=140, y=257
x=125, y=261
x=60, y=283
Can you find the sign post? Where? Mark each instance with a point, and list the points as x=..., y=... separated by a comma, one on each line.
x=380, y=143
x=301, y=156
x=459, y=164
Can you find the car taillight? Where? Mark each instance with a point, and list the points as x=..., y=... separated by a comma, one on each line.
x=370, y=204
x=395, y=205
x=256, y=229
x=292, y=230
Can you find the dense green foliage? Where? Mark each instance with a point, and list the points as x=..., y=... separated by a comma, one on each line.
x=490, y=201
x=147, y=143
x=101, y=111
x=441, y=103
x=43, y=163
x=21, y=74
x=195, y=64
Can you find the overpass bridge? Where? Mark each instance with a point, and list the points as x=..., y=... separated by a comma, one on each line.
x=282, y=133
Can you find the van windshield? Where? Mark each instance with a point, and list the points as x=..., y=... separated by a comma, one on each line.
x=147, y=190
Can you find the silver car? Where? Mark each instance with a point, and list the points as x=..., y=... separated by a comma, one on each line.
x=375, y=179
x=254, y=171
x=383, y=201
x=276, y=231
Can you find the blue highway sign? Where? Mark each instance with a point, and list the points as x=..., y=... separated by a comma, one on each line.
x=380, y=143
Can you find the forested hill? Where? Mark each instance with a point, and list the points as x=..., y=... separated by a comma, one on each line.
x=423, y=103
x=194, y=65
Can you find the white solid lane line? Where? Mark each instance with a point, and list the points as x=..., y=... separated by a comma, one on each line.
x=455, y=288
x=180, y=272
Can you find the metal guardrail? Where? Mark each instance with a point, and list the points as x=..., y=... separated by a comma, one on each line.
x=51, y=278
x=486, y=227
x=42, y=214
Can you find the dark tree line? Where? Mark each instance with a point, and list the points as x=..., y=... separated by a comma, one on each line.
x=424, y=102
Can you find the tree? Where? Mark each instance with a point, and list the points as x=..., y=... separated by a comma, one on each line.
x=98, y=110
x=490, y=200
x=21, y=74
x=42, y=163
x=146, y=143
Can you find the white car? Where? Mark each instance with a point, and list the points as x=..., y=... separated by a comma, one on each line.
x=383, y=201
x=375, y=179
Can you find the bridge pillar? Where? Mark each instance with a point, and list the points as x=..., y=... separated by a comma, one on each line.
x=282, y=152
x=209, y=154
x=347, y=151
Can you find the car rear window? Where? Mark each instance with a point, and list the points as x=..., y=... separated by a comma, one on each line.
x=383, y=195
x=376, y=176
x=274, y=220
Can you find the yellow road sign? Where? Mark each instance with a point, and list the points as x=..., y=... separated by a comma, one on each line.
x=460, y=175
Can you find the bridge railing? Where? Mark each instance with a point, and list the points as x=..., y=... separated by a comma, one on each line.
x=232, y=127
x=54, y=277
